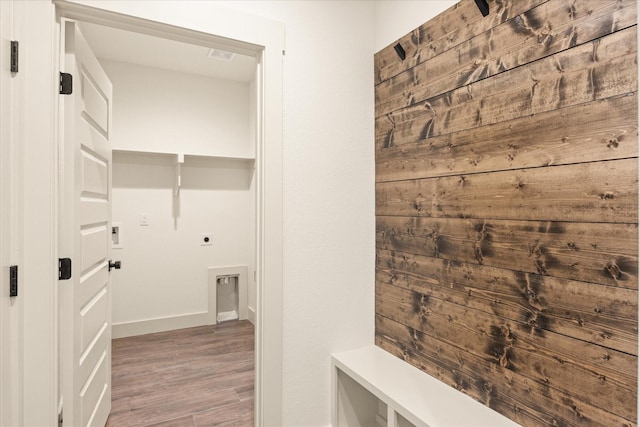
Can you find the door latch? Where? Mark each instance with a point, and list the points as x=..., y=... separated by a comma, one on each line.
x=114, y=264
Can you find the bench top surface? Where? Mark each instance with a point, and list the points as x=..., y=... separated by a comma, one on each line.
x=413, y=393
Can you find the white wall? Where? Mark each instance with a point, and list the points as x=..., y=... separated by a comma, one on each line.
x=164, y=271
x=394, y=19
x=329, y=203
x=329, y=200
x=162, y=110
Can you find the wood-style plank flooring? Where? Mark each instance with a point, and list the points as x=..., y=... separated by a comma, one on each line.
x=194, y=377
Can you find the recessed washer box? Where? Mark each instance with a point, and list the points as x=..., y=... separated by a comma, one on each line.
x=117, y=241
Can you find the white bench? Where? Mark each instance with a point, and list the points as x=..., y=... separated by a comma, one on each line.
x=373, y=388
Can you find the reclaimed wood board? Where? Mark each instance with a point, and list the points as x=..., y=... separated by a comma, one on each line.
x=462, y=22
x=527, y=402
x=533, y=35
x=599, y=69
x=598, y=253
x=507, y=207
x=599, y=130
x=596, y=314
x=560, y=362
x=586, y=192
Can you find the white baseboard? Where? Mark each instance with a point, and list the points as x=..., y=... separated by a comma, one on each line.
x=162, y=324
x=251, y=315
x=150, y=326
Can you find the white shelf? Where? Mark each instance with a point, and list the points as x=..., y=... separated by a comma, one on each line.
x=412, y=397
x=187, y=156
x=180, y=159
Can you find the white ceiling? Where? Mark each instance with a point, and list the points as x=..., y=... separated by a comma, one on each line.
x=125, y=46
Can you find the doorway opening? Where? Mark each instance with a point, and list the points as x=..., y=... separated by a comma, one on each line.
x=190, y=164
x=184, y=182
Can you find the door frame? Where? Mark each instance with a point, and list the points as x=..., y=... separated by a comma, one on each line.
x=10, y=308
x=38, y=189
x=33, y=350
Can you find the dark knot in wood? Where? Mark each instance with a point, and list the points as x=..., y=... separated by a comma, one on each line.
x=613, y=270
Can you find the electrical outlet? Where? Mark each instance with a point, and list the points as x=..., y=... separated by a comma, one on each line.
x=206, y=240
x=144, y=219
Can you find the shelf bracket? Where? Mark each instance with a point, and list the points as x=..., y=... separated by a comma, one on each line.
x=178, y=181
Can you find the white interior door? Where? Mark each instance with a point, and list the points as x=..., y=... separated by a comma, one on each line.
x=85, y=300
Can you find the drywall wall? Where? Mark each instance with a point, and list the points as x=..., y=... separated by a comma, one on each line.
x=164, y=272
x=164, y=110
x=394, y=19
x=506, y=207
x=328, y=191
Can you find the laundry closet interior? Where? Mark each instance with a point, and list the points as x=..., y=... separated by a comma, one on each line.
x=183, y=181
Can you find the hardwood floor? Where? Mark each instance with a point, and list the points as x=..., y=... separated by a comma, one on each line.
x=192, y=377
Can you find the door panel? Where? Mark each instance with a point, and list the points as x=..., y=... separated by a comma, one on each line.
x=88, y=164
x=95, y=392
x=92, y=321
x=93, y=247
x=94, y=176
x=92, y=355
x=93, y=212
x=91, y=283
x=96, y=103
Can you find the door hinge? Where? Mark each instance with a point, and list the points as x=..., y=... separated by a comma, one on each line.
x=66, y=84
x=14, y=56
x=13, y=281
x=64, y=268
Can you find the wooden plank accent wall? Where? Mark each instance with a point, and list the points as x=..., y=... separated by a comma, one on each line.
x=507, y=207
